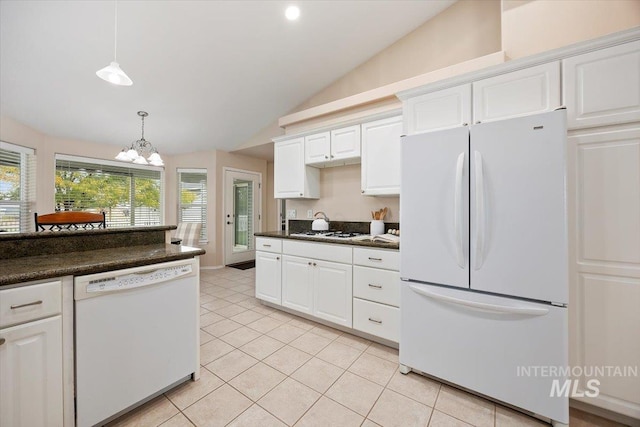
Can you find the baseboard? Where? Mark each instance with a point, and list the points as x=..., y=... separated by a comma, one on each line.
x=215, y=267
x=604, y=413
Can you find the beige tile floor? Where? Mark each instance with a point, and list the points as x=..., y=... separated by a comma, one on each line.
x=263, y=367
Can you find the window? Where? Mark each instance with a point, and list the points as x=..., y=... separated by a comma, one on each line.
x=17, y=188
x=192, y=202
x=130, y=195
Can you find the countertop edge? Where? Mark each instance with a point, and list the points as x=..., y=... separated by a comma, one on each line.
x=360, y=243
x=99, y=267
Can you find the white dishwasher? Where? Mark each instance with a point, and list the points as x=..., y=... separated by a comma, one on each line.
x=136, y=334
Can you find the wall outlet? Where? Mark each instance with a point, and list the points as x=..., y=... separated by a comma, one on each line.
x=309, y=214
x=291, y=213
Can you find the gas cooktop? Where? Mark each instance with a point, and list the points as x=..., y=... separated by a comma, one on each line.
x=331, y=234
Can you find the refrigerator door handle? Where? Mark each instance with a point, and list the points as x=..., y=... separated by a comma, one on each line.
x=457, y=211
x=496, y=308
x=480, y=221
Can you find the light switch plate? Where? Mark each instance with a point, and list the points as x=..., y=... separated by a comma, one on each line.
x=309, y=214
x=291, y=213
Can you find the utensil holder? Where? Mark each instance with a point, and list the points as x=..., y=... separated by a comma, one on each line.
x=377, y=227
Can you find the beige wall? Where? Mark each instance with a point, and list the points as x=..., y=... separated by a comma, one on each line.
x=272, y=220
x=466, y=30
x=234, y=161
x=530, y=27
x=342, y=199
x=47, y=147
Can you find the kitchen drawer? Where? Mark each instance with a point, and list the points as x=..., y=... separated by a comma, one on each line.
x=268, y=245
x=323, y=251
x=31, y=302
x=376, y=319
x=378, y=258
x=377, y=285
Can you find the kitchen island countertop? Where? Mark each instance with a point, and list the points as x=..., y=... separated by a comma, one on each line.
x=29, y=268
x=367, y=243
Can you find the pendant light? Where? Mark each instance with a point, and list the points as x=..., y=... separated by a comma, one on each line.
x=112, y=73
x=141, y=149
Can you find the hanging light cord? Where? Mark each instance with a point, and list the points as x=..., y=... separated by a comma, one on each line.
x=143, y=129
x=115, y=41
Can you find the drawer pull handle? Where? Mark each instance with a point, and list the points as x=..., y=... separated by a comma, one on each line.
x=277, y=258
x=375, y=259
x=379, y=322
x=2, y=340
x=267, y=246
x=314, y=264
x=309, y=263
x=13, y=307
x=371, y=285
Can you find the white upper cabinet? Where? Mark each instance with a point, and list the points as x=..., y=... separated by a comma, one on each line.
x=603, y=87
x=381, y=157
x=317, y=148
x=519, y=93
x=438, y=110
x=334, y=148
x=345, y=143
x=292, y=178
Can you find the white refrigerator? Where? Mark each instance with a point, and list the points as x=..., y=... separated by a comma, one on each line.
x=484, y=260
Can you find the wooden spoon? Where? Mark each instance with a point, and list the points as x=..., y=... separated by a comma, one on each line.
x=384, y=212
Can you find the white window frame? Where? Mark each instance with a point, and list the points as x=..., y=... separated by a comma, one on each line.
x=27, y=184
x=204, y=239
x=105, y=162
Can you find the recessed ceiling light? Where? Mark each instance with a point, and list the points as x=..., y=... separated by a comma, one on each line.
x=292, y=13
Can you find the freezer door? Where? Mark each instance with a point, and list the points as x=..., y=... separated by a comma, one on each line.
x=434, y=210
x=492, y=345
x=518, y=207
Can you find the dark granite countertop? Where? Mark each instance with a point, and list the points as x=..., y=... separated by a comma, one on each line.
x=28, y=268
x=286, y=235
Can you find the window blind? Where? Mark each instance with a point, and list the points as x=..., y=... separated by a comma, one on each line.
x=130, y=196
x=192, y=201
x=17, y=188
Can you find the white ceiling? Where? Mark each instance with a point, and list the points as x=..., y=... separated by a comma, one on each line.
x=211, y=74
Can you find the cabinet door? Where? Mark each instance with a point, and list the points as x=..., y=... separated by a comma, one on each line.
x=603, y=87
x=297, y=286
x=333, y=292
x=288, y=175
x=345, y=143
x=317, y=148
x=604, y=212
x=31, y=374
x=381, y=157
x=443, y=109
x=519, y=93
x=292, y=178
x=268, y=277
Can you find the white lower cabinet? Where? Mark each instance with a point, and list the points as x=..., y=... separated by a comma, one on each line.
x=332, y=292
x=319, y=288
x=268, y=282
x=297, y=286
x=376, y=319
x=357, y=287
x=31, y=366
x=376, y=292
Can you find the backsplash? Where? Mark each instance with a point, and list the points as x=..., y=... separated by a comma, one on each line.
x=300, y=225
x=341, y=198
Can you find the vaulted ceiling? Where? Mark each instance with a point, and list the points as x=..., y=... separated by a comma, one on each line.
x=210, y=73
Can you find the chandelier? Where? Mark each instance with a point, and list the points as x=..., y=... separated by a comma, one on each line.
x=141, y=152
